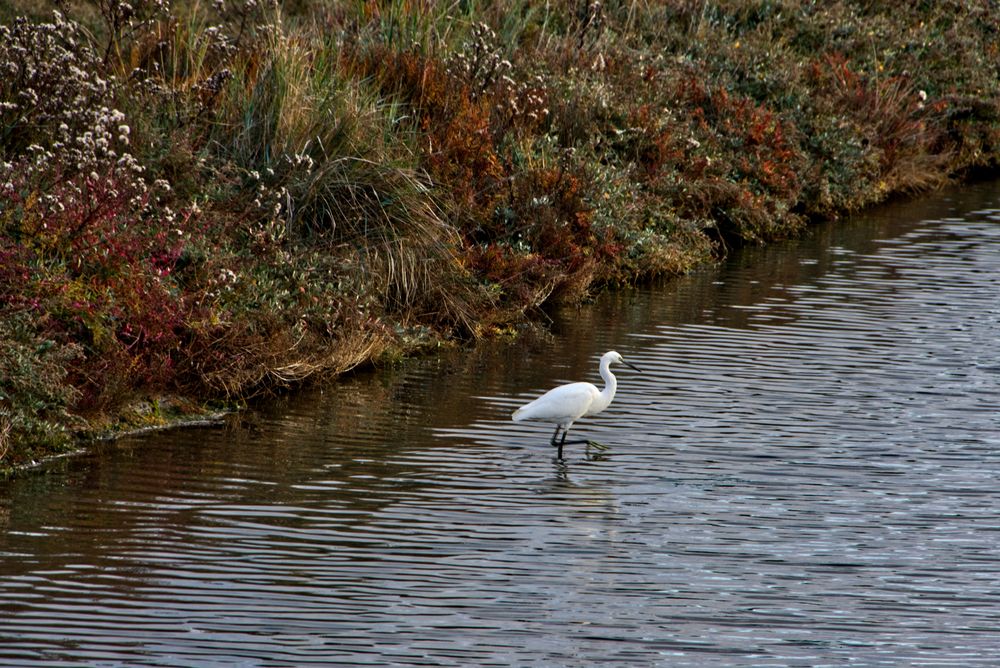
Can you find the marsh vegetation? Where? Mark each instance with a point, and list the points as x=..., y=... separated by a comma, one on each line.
x=209, y=200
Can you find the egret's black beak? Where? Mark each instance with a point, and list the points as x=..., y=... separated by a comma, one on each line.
x=631, y=366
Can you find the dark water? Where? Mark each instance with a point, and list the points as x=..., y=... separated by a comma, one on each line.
x=807, y=474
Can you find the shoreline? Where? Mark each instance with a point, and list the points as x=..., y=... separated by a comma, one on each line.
x=241, y=201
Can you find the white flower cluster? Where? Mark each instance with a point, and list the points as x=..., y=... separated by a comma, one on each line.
x=481, y=61
x=524, y=99
x=244, y=17
x=121, y=15
x=213, y=85
x=273, y=204
x=59, y=114
x=591, y=20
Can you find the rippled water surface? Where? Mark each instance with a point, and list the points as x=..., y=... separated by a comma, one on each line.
x=805, y=474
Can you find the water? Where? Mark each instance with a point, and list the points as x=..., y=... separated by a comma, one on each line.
x=804, y=475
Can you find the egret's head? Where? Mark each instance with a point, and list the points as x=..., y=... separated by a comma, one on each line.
x=613, y=356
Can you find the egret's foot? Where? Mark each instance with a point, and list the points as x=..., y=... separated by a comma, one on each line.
x=595, y=451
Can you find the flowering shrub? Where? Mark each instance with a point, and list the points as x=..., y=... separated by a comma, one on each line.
x=89, y=245
x=50, y=89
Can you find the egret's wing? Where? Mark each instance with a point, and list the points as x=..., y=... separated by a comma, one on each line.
x=565, y=401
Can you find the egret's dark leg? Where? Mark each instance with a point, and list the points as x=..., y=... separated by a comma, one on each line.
x=556, y=435
x=561, y=443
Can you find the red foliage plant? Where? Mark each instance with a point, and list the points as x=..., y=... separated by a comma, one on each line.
x=458, y=150
x=93, y=258
x=892, y=118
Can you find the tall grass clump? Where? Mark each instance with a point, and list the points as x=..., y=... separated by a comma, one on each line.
x=317, y=146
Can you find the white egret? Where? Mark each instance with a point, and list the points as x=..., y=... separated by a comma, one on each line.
x=566, y=404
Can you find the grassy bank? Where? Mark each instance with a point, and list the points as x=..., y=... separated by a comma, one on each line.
x=216, y=199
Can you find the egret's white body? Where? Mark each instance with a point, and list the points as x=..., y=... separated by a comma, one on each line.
x=566, y=404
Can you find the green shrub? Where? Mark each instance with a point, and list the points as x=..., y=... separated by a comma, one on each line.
x=35, y=397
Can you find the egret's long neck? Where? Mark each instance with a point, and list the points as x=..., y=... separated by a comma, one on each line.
x=610, y=384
